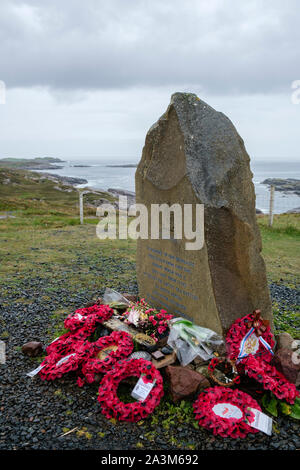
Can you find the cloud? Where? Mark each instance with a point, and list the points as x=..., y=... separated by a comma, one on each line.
x=90, y=78
x=113, y=123
x=221, y=47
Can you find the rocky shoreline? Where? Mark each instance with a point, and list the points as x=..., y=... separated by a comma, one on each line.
x=67, y=180
x=288, y=185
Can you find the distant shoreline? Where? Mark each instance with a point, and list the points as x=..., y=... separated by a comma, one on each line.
x=128, y=165
x=39, y=163
x=287, y=185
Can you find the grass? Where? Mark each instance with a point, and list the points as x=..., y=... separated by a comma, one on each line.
x=46, y=239
x=39, y=202
x=59, y=241
x=281, y=248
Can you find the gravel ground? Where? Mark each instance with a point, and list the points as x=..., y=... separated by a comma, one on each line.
x=35, y=414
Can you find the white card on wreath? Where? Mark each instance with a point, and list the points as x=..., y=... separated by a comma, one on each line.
x=142, y=389
x=262, y=422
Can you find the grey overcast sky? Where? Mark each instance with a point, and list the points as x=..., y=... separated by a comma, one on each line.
x=88, y=78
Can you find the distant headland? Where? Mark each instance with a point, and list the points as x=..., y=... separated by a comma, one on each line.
x=128, y=165
x=39, y=163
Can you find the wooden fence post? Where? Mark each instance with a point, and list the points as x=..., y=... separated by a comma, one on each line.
x=81, y=207
x=271, y=209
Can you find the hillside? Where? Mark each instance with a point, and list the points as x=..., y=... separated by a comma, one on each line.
x=50, y=266
x=44, y=197
x=41, y=163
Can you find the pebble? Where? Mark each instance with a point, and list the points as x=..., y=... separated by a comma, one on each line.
x=33, y=416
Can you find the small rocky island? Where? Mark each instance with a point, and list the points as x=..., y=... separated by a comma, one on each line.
x=40, y=163
x=287, y=185
x=126, y=165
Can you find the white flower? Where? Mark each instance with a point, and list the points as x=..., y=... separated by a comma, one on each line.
x=133, y=317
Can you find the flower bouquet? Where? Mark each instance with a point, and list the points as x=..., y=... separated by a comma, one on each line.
x=148, y=320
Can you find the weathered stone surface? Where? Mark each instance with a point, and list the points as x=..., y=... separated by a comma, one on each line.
x=284, y=340
x=193, y=154
x=184, y=382
x=32, y=349
x=287, y=362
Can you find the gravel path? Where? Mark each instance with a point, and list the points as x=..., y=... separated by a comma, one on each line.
x=34, y=414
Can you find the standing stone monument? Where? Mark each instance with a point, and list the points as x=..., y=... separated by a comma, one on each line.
x=194, y=155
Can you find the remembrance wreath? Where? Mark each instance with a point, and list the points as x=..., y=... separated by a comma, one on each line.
x=95, y=365
x=87, y=317
x=54, y=366
x=270, y=378
x=113, y=407
x=225, y=412
x=62, y=346
x=260, y=339
x=82, y=323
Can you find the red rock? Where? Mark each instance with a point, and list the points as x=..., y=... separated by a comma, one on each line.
x=32, y=349
x=287, y=362
x=284, y=340
x=185, y=382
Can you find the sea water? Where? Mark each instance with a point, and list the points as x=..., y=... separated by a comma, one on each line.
x=100, y=175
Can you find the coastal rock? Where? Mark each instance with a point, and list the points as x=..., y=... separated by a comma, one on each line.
x=123, y=192
x=286, y=185
x=184, y=382
x=287, y=362
x=194, y=155
x=126, y=165
x=98, y=202
x=67, y=180
x=32, y=349
x=81, y=166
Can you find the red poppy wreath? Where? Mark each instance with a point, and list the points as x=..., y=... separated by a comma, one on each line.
x=112, y=407
x=270, y=378
x=117, y=345
x=225, y=412
x=54, y=366
x=88, y=317
x=81, y=324
x=250, y=335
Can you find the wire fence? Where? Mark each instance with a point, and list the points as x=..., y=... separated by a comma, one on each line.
x=276, y=202
x=268, y=202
